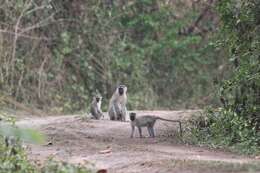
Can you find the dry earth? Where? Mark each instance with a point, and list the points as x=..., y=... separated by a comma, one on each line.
x=104, y=144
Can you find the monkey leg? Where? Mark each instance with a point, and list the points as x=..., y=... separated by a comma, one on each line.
x=117, y=111
x=152, y=132
x=124, y=113
x=133, y=131
x=140, y=132
x=112, y=114
x=119, y=117
x=149, y=131
x=95, y=115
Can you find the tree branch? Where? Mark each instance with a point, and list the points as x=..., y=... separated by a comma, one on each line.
x=24, y=35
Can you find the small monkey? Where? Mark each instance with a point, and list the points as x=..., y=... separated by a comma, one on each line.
x=117, y=105
x=95, y=107
x=147, y=121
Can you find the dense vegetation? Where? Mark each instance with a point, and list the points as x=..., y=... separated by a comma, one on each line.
x=13, y=159
x=237, y=123
x=56, y=54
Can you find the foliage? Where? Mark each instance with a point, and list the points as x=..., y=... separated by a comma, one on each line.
x=55, y=54
x=13, y=157
x=225, y=128
x=27, y=135
x=8, y=129
x=241, y=93
x=237, y=124
x=14, y=160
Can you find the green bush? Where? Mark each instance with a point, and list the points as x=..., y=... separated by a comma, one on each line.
x=14, y=160
x=237, y=124
x=76, y=48
x=225, y=129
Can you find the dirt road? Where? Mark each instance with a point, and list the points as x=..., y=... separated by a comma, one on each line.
x=106, y=144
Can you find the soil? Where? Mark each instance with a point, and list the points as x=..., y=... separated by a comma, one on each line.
x=105, y=144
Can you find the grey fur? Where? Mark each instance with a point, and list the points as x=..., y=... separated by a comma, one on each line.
x=117, y=106
x=95, y=108
x=147, y=121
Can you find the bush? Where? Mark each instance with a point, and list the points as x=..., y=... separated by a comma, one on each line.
x=225, y=129
x=237, y=124
x=14, y=160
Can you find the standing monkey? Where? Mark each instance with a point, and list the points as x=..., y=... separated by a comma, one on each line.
x=95, y=108
x=117, y=104
x=147, y=121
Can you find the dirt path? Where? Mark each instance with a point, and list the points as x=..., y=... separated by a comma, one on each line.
x=80, y=141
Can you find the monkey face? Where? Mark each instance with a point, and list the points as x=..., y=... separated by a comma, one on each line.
x=132, y=116
x=122, y=89
x=97, y=98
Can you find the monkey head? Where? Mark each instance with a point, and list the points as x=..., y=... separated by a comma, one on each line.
x=122, y=89
x=132, y=116
x=97, y=98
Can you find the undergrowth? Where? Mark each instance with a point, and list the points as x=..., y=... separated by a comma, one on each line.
x=225, y=129
x=14, y=160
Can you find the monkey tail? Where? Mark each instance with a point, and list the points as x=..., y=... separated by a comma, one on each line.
x=175, y=121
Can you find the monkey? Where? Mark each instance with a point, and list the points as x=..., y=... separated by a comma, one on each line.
x=95, y=107
x=147, y=121
x=117, y=105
